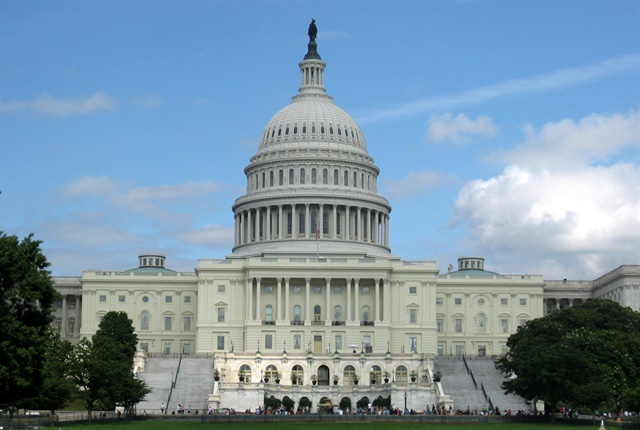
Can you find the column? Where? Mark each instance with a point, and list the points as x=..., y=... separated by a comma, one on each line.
x=307, y=219
x=307, y=299
x=334, y=224
x=63, y=331
x=79, y=308
x=256, y=223
x=279, y=300
x=346, y=222
x=349, y=312
x=258, y=305
x=386, y=294
x=356, y=293
x=76, y=316
x=294, y=221
x=249, y=294
x=286, y=299
x=375, y=227
x=377, y=300
x=267, y=233
x=280, y=233
x=249, y=225
x=328, y=299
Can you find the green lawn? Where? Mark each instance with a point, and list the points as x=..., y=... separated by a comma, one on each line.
x=170, y=425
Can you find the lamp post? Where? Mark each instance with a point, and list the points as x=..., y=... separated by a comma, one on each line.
x=405, y=401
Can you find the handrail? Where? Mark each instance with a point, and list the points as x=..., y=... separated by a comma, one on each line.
x=470, y=372
x=173, y=383
x=486, y=396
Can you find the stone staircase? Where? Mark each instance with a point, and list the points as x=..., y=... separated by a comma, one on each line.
x=193, y=383
x=486, y=373
x=457, y=383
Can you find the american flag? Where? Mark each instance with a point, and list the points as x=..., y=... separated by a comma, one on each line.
x=317, y=233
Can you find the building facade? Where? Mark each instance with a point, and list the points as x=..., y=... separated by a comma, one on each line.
x=311, y=293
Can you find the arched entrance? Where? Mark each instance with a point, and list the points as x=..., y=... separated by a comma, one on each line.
x=325, y=406
x=323, y=375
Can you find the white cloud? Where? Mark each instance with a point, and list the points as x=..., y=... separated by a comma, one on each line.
x=459, y=128
x=564, y=78
x=414, y=184
x=61, y=107
x=217, y=236
x=148, y=102
x=584, y=218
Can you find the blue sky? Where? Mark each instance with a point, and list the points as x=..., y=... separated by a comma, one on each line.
x=503, y=129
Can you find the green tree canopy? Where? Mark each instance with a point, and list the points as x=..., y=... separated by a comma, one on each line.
x=27, y=297
x=587, y=357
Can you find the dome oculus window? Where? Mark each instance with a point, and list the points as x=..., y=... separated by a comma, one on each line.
x=286, y=132
x=295, y=130
x=322, y=129
x=304, y=129
x=331, y=130
x=313, y=129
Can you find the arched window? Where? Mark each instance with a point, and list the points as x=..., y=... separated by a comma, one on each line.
x=349, y=375
x=401, y=375
x=144, y=320
x=301, y=223
x=336, y=177
x=271, y=178
x=245, y=373
x=362, y=181
x=297, y=375
x=314, y=176
x=271, y=373
x=296, y=313
x=325, y=222
x=338, y=224
x=302, y=175
x=263, y=179
x=268, y=313
x=290, y=176
x=375, y=375
x=314, y=221
x=346, y=179
x=325, y=176
x=317, y=313
x=365, y=313
x=289, y=222
x=337, y=313
x=281, y=177
x=481, y=323
x=355, y=179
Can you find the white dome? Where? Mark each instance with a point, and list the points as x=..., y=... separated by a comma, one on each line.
x=315, y=120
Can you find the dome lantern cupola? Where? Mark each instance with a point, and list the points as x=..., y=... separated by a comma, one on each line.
x=312, y=69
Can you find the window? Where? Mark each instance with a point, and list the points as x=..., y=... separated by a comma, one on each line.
x=186, y=323
x=221, y=315
x=480, y=302
x=439, y=301
x=145, y=299
x=365, y=313
x=220, y=345
x=302, y=175
x=365, y=290
x=337, y=313
x=271, y=178
x=281, y=177
x=458, y=325
x=440, y=350
x=167, y=323
x=504, y=324
x=121, y=299
x=523, y=322
x=144, y=320
x=268, y=290
x=355, y=179
x=459, y=350
x=317, y=290
x=481, y=323
x=413, y=315
x=440, y=324
x=338, y=342
x=167, y=348
x=296, y=289
x=325, y=176
x=413, y=344
x=301, y=223
x=336, y=179
x=186, y=348
x=221, y=288
x=71, y=325
x=337, y=290
x=375, y=375
x=297, y=341
x=144, y=346
x=245, y=373
x=297, y=375
x=523, y=302
x=401, y=375
x=349, y=375
x=314, y=176
x=268, y=341
x=317, y=314
x=168, y=299
x=504, y=302
x=103, y=299
x=413, y=290
x=271, y=372
x=187, y=299
x=296, y=313
x=457, y=301
x=290, y=176
x=346, y=178
x=268, y=313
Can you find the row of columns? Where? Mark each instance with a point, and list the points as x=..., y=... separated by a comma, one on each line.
x=268, y=223
x=76, y=315
x=556, y=303
x=283, y=304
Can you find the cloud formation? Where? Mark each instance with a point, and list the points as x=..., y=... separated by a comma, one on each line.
x=557, y=204
x=414, y=184
x=563, y=78
x=459, y=128
x=61, y=107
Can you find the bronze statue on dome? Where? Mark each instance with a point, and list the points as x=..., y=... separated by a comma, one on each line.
x=313, y=30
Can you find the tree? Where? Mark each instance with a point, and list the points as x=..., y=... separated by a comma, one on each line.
x=103, y=368
x=587, y=357
x=27, y=297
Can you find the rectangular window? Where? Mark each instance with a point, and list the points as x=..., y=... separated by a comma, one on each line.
x=220, y=345
x=187, y=299
x=317, y=290
x=338, y=342
x=144, y=346
x=167, y=348
x=186, y=348
x=440, y=325
x=459, y=350
x=413, y=290
x=413, y=344
x=103, y=299
x=504, y=323
x=72, y=304
x=504, y=302
x=221, y=314
x=458, y=323
x=457, y=301
x=268, y=290
x=168, y=299
x=167, y=323
x=337, y=290
x=296, y=289
x=121, y=299
x=440, y=349
x=523, y=322
x=439, y=301
x=413, y=316
x=523, y=302
x=366, y=340
x=365, y=290
x=187, y=324
x=297, y=341
x=268, y=341
x=221, y=288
